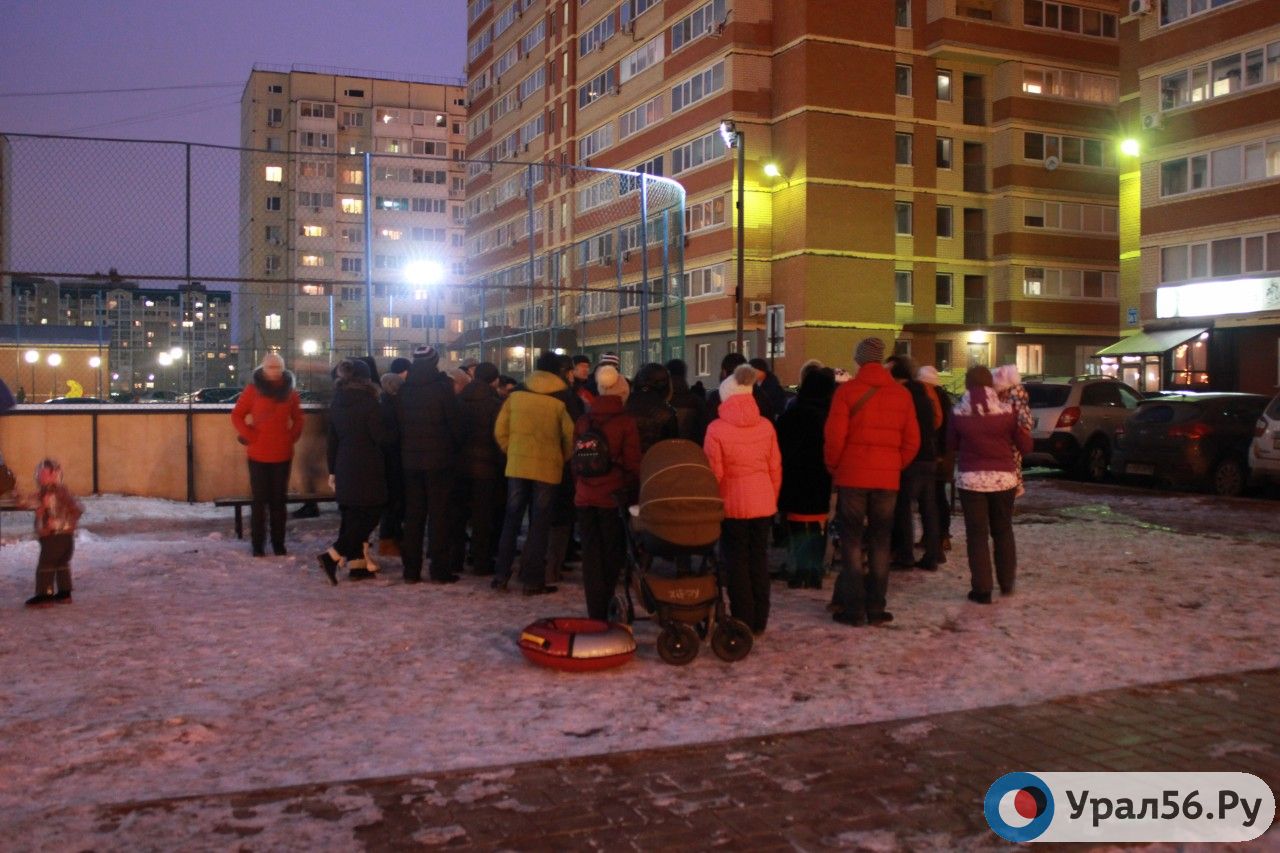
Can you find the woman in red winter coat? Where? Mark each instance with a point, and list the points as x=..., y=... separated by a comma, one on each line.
x=268, y=417
x=597, y=498
x=743, y=451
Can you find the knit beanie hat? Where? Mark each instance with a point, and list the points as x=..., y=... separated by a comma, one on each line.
x=928, y=375
x=1006, y=376
x=427, y=353
x=612, y=383
x=400, y=365
x=741, y=381
x=610, y=358
x=869, y=350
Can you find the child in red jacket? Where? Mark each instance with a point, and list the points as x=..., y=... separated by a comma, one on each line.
x=57, y=512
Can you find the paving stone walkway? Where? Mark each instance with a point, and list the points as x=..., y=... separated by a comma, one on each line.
x=902, y=785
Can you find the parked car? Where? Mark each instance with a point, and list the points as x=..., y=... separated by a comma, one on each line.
x=210, y=395
x=157, y=396
x=77, y=401
x=1075, y=421
x=1264, y=452
x=1192, y=439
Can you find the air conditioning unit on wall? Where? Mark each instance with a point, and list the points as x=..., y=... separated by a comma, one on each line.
x=1139, y=7
x=756, y=307
x=1152, y=121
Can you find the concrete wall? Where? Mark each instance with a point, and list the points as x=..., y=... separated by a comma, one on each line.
x=142, y=449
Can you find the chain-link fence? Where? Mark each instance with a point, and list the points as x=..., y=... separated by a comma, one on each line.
x=146, y=269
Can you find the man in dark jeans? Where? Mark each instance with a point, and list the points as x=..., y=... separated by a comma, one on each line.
x=870, y=436
x=430, y=432
x=917, y=479
x=477, y=492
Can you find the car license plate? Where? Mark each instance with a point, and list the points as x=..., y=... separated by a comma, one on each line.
x=1139, y=470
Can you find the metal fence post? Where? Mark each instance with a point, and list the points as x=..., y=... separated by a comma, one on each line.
x=644, y=268
x=528, y=320
x=368, y=252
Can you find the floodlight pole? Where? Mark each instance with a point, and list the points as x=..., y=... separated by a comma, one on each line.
x=734, y=138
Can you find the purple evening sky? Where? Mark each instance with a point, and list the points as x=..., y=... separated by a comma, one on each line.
x=48, y=45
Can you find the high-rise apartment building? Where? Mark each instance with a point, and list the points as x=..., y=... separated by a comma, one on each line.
x=942, y=173
x=1202, y=103
x=137, y=329
x=353, y=186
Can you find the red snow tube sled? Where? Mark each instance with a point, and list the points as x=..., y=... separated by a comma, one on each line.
x=577, y=645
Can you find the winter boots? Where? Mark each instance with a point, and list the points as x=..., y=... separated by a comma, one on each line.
x=329, y=564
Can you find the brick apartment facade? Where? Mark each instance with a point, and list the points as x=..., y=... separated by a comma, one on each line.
x=1201, y=91
x=947, y=169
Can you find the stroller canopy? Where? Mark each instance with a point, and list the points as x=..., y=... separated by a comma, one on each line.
x=679, y=496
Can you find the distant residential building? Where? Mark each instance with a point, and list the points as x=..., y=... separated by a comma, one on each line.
x=1202, y=101
x=315, y=227
x=135, y=325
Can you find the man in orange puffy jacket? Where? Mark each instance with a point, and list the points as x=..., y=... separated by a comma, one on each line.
x=870, y=436
x=268, y=417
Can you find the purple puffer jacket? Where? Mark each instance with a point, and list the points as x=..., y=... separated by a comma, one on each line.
x=986, y=441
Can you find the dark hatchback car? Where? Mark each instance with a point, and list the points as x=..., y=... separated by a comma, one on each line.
x=1191, y=439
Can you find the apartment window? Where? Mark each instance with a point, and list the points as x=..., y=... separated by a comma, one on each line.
x=275, y=89
x=641, y=117
x=273, y=202
x=1225, y=75
x=272, y=264
x=352, y=118
x=702, y=150
x=315, y=200
x=707, y=281
x=705, y=214
x=703, y=362
x=273, y=143
x=599, y=33
x=944, y=152
x=706, y=19
x=352, y=235
x=353, y=176
x=315, y=140
x=311, y=231
x=597, y=140
x=274, y=174
x=311, y=109
x=1172, y=11
x=902, y=13
x=697, y=87
x=902, y=218
x=273, y=234
x=944, y=85
x=1069, y=283
x=353, y=205
x=353, y=93
x=352, y=265
x=641, y=58
x=942, y=355
x=271, y=321
x=1078, y=151
x=312, y=261
x=902, y=80
x=1070, y=19
x=945, y=223
x=1030, y=359
x=902, y=287
x=275, y=116
x=902, y=149
x=1230, y=256
x=942, y=291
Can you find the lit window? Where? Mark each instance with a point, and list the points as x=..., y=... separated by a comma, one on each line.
x=271, y=321
x=312, y=230
x=275, y=174
x=390, y=234
x=944, y=85
x=352, y=205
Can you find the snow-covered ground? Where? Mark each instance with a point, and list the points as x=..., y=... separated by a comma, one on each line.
x=186, y=666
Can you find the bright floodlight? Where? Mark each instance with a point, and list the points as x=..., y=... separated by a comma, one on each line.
x=31, y=356
x=175, y=353
x=95, y=362
x=423, y=273
x=1130, y=147
x=310, y=347
x=165, y=359
x=772, y=170
x=54, y=359
x=729, y=133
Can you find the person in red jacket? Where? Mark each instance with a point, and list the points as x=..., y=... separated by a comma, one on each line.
x=597, y=498
x=268, y=417
x=742, y=447
x=870, y=436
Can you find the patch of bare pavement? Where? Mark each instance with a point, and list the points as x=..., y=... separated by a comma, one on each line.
x=903, y=785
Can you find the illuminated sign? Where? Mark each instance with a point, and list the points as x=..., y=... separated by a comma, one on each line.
x=1215, y=298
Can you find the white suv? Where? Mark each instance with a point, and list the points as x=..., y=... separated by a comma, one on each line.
x=1075, y=422
x=1264, y=452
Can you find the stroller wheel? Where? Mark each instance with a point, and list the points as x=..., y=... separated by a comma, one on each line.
x=731, y=640
x=620, y=610
x=677, y=644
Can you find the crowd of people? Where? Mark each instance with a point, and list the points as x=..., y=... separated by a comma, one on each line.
x=461, y=465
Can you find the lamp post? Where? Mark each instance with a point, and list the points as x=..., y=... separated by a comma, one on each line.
x=31, y=357
x=175, y=353
x=424, y=274
x=733, y=138
x=309, y=349
x=54, y=360
x=96, y=363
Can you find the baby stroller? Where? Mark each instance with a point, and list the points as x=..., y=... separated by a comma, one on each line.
x=678, y=518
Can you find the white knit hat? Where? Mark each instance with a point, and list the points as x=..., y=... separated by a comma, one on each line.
x=741, y=381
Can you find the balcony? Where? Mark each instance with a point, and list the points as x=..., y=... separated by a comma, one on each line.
x=975, y=311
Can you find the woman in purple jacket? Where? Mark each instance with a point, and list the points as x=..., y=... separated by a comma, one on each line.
x=984, y=433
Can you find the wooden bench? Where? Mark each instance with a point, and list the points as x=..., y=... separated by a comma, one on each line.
x=239, y=503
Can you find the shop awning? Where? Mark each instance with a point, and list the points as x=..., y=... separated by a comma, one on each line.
x=1151, y=343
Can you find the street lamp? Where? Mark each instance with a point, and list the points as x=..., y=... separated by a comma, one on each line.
x=96, y=363
x=733, y=138
x=426, y=273
x=309, y=349
x=54, y=360
x=31, y=357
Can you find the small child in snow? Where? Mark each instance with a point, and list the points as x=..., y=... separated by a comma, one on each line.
x=1009, y=388
x=57, y=512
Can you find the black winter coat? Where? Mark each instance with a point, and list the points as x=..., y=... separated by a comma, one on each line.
x=806, y=482
x=481, y=457
x=924, y=420
x=356, y=436
x=430, y=420
x=691, y=411
x=655, y=418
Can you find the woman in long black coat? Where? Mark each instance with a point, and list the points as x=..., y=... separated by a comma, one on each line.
x=357, y=433
x=805, y=499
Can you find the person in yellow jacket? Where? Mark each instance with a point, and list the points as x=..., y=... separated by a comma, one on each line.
x=535, y=431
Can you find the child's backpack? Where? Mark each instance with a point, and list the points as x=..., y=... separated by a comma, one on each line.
x=591, y=456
